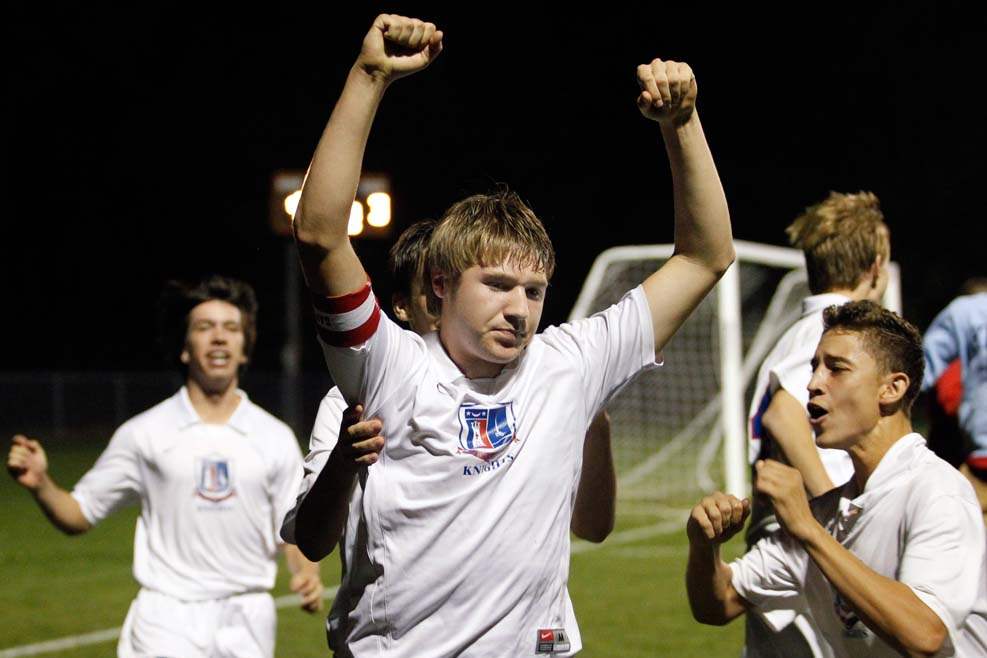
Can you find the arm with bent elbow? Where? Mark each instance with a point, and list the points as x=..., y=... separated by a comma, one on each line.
x=27, y=463
x=596, y=499
x=716, y=519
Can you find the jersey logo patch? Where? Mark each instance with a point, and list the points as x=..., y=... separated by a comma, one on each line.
x=552, y=640
x=485, y=429
x=214, y=478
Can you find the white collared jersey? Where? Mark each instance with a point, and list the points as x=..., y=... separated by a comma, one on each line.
x=212, y=496
x=917, y=521
x=463, y=524
x=788, y=366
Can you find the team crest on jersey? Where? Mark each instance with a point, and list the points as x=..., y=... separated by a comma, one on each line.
x=485, y=429
x=214, y=478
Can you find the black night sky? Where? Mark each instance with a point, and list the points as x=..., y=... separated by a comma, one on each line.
x=141, y=149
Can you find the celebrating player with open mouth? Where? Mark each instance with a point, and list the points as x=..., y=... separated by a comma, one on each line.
x=214, y=475
x=891, y=563
x=463, y=528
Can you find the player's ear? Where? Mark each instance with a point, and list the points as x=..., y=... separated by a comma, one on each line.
x=893, y=389
x=874, y=273
x=439, y=283
x=184, y=356
x=400, y=305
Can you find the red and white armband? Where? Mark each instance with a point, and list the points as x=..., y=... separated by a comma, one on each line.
x=347, y=320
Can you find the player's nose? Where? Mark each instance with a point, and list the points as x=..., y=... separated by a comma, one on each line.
x=516, y=305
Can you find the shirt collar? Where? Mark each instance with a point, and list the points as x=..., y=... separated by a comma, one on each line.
x=449, y=373
x=187, y=416
x=895, y=464
x=816, y=303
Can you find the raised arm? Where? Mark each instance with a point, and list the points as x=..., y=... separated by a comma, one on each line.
x=712, y=597
x=888, y=607
x=394, y=47
x=28, y=465
x=703, y=240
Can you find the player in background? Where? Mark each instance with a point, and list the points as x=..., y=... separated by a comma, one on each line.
x=960, y=332
x=214, y=475
x=943, y=400
x=595, y=505
x=891, y=563
x=465, y=516
x=846, y=246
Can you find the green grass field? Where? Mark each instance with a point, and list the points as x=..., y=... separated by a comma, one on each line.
x=629, y=592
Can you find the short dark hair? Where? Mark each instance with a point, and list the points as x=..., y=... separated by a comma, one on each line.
x=406, y=259
x=894, y=342
x=179, y=298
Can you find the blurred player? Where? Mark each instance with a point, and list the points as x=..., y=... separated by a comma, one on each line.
x=846, y=246
x=960, y=332
x=214, y=475
x=893, y=562
x=464, y=522
x=594, y=508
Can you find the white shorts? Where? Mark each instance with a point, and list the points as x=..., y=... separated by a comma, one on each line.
x=160, y=626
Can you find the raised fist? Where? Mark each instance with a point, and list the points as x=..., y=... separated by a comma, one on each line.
x=397, y=46
x=668, y=91
x=27, y=462
x=717, y=518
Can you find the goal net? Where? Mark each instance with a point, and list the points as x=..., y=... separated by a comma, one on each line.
x=669, y=424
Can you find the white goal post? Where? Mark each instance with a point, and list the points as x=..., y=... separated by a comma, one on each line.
x=669, y=424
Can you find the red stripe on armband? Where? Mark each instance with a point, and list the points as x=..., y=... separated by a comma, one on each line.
x=347, y=320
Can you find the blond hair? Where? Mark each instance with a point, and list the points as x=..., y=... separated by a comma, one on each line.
x=488, y=229
x=841, y=237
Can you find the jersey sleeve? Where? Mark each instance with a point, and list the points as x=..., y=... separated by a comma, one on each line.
x=944, y=547
x=325, y=435
x=793, y=372
x=369, y=356
x=611, y=347
x=940, y=345
x=114, y=481
x=769, y=576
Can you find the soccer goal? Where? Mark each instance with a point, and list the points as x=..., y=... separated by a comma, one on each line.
x=680, y=430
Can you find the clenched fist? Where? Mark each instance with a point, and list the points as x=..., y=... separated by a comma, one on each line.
x=397, y=46
x=717, y=518
x=27, y=462
x=668, y=91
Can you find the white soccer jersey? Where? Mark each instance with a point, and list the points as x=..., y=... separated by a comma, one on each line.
x=212, y=496
x=465, y=519
x=788, y=366
x=916, y=521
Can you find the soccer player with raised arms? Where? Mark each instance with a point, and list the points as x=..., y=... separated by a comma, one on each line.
x=214, y=475
x=466, y=511
x=891, y=563
x=332, y=465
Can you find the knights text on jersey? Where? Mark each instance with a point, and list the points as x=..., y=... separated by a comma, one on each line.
x=466, y=516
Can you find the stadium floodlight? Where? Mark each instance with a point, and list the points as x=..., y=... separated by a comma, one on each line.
x=355, y=227
x=291, y=203
x=372, y=209
x=380, y=209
